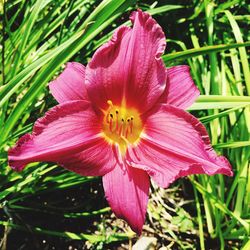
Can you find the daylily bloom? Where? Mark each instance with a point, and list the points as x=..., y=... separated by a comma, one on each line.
x=122, y=117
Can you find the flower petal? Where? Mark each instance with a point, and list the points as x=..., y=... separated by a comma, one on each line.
x=69, y=85
x=180, y=90
x=127, y=191
x=96, y=159
x=67, y=130
x=129, y=66
x=175, y=144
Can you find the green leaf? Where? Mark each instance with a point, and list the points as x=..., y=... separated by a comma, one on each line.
x=182, y=55
x=219, y=102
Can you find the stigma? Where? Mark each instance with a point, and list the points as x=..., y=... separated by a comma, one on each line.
x=121, y=125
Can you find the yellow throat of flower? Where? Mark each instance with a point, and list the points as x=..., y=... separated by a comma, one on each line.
x=121, y=125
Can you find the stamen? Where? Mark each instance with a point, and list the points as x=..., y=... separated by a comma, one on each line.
x=110, y=103
x=121, y=128
x=117, y=122
x=127, y=127
x=125, y=139
x=131, y=125
x=111, y=122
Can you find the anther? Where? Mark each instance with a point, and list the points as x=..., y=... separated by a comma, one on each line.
x=111, y=115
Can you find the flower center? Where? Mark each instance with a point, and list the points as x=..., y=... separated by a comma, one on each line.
x=121, y=125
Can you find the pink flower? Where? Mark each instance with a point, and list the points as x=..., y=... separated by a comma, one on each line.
x=122, y=118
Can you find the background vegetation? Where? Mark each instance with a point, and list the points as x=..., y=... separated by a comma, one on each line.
x=47, y=207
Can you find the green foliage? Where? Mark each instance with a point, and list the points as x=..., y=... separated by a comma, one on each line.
x=39, y=36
